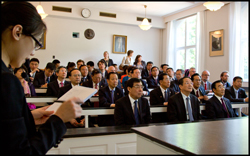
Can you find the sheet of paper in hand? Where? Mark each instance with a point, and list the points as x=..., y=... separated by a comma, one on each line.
x=84, y=93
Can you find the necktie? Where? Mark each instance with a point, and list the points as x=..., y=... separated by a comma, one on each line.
x=236, y=94
x=83, y=79
x=197, y=93
x=156, y=81
x=166, y=96
x=112, y=96
x=191, y=118
x=137, y=121
x=61, y=84
x=149, y=73
x=205, y=86
x=47, y=80
x=224, y=106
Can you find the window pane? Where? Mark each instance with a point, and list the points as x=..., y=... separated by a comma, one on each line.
x=180, y=33
x=191, y=30
x=190, y=58
x=244, y=40
x=180, y=58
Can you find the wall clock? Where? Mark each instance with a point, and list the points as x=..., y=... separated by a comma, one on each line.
x=86, y=13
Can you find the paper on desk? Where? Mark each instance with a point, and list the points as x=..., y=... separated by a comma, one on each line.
x=84, y=93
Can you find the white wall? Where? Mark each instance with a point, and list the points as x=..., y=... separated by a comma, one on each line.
x=59, y=40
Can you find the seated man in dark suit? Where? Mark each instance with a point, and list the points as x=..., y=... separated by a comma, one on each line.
x=164, y=68
x=90, y=66
x=170, y=72
x=107, y=97
x=160, y=96
x=132, y=109
x=75, y=78
x=96, y=82
x=135, y=73
x=147, y=72
x=112, y=69
x=42, y=79
x=198, y=90
x=219, y=106
x=84, y=71
x=153, y=80
x=33, y=68
x=235, y=93
x=224, y=79
x=53, y=87
x=102, y=67
x=175, y=84
x=70, y=66
x=204, y=81
x=184, y=106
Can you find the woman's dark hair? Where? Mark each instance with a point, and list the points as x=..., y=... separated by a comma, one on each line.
x=137, y=57
x=23, y=13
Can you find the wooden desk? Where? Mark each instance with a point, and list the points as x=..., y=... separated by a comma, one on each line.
x=228, y=136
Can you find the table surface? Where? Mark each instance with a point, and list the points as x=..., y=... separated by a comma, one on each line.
x=228, y=136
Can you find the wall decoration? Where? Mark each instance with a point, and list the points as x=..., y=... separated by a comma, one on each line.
x=119, y=44
x=75, y=34
x=89, y=34
x=216, y=45
x=43, y=40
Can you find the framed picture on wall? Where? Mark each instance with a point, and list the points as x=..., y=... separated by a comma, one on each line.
x=216, y=45
x=43, y=40
x=119, y=44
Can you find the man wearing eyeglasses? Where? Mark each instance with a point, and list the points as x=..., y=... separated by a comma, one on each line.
x=75, y=78
x=132, y=109
x=205, y=83
x=184, y=106
x=136, y=73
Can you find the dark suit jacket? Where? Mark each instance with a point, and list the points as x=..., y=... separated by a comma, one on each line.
x=151, y=82
x=143, y=83
x=64, y=89
x=53, y=88
x=175, y=85
x=228, y=84
x=156, y=98
x=88, y=78
x=124, y=113
x=202, y=92
x=89, y=83
x=177, y=110
x=40, y=79
x=230, y=94
x=144, y=74
x=214, y=108
x=105, y=101
x=110, y=62
x=18, y=130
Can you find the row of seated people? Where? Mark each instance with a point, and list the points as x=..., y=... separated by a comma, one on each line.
x=158, y=96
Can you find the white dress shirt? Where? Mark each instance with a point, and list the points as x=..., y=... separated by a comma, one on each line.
x=133, y=104
x=59, y=82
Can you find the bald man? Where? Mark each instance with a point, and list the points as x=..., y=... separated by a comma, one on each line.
x=204, y=81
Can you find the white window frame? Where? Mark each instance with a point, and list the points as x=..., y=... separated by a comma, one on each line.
x=185, y=47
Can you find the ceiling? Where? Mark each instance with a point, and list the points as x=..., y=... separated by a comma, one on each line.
x=154, y=8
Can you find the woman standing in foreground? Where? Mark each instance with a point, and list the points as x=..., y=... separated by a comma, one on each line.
x=21, y=30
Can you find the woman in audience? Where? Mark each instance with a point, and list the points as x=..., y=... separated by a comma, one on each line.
x=128, y=60
x=139, y=63
x=107, y=60
x=21, y=74
x=70, y=66
x=21, y=29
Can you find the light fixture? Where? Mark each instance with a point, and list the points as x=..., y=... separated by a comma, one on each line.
x=145, y=24
x=217, y=34
x=40, y=10
x=213, y=6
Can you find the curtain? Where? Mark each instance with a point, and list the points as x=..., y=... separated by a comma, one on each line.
x=170, y=45
x=200, y=42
